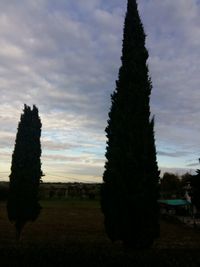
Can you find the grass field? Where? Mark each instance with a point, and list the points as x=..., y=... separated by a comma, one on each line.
x=71, y=233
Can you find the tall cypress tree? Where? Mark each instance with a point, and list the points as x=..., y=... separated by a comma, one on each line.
x=130, y=189
x=22, y=205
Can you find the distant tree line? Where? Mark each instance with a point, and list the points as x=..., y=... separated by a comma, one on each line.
x=60, y=191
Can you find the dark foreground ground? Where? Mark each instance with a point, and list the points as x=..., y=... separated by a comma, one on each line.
x=71, y=233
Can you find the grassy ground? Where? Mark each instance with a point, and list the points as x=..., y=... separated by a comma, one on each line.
x=71, y=233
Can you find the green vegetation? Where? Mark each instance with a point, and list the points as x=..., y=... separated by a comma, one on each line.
x=171, y=185
x=26, y=171
x=130, y=189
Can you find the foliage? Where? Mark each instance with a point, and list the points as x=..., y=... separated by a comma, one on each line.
x=186, y=179
x=3, y=192
x=22, y=205
x=130, y=189
x=195, y=189
x=170, y=183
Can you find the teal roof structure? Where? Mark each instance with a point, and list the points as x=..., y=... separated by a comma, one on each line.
x=174, y=202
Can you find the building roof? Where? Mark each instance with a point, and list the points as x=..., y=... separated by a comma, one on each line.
x=174, y=202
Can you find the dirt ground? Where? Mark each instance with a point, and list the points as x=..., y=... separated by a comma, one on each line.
x=71, y=233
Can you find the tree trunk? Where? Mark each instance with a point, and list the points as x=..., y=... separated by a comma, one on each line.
x=19, y=226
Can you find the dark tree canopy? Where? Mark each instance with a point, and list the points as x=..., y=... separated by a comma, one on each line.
x=195, y=189
x=26, y=171
x=170, y=182
x=130, y=189
x=171, y=185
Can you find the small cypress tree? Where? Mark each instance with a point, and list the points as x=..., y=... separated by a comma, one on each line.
x=25, y=177
x=130, y=190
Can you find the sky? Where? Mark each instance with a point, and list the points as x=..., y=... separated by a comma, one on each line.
x=64, y=56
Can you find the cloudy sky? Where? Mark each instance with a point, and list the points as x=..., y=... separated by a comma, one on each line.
x=64, y=55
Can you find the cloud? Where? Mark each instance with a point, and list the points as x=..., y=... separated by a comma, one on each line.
x=193, y=165
x=173, y=154
x=64, y=57
x=173, y=37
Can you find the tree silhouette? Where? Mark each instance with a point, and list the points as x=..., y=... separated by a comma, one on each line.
x=195, y=189
x=130, y=190
x=170, y=183
x=22, y=205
